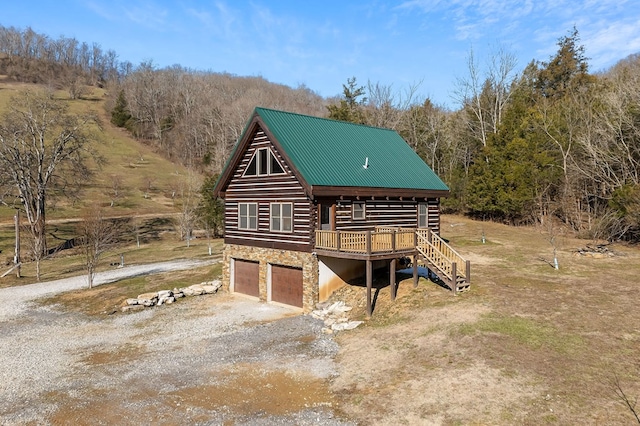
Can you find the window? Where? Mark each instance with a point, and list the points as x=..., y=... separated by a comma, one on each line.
x=248, y=216
x=357, y=211
x=264, y=163
x=422, y=215
x=282, y=217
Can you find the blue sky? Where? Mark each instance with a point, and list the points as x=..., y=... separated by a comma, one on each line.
x=322, y=43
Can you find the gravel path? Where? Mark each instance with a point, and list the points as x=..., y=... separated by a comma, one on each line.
x=19, y=296
x=204, y=360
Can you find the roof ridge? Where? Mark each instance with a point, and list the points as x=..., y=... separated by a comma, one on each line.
x=325, y=119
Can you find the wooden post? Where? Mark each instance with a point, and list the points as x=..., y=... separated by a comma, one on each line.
x=338, y=240
x=368, y=242
x=16, y=259
x=392, y=278
x=393, y=241
x=468, y=276
x=369, y=285
x=454, y=277
x=415, y=270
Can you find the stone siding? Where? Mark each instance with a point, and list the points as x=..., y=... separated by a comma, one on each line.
x=266, y=256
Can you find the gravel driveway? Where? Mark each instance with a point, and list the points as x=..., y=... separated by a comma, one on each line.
x=204, y=360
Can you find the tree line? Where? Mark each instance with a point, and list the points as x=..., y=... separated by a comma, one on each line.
x=552, y=142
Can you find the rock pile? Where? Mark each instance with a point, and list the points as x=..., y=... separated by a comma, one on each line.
x=163, y=297
x=334, y=316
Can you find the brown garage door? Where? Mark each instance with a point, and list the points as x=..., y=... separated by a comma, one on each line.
x=286, y=285
x=246, y=277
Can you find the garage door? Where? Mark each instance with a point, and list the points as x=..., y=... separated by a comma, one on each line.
x=246, y=277
x=286, y=285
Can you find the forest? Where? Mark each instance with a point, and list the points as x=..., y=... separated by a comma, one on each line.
x=547, y=143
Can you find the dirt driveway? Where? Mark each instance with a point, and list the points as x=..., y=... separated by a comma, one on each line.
x=217, y=359
x=527, y=344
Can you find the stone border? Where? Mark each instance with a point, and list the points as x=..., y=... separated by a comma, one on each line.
x=165, y=297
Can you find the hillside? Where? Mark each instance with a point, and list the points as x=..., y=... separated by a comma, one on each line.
x=145, y=182
x=131, y=181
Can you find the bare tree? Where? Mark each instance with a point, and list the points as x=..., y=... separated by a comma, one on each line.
x=485, y=96
x=42, y=148
x=97, y=235
x=116, y=189
x=189, y=197
x=624, y=398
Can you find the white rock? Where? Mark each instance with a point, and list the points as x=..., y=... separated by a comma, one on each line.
x=340, y=326
x=329, y=322
x=164, y=293
x=132, y=302
x=339, y=307
x=197, y=289
x=150, y=296
x=210, y=289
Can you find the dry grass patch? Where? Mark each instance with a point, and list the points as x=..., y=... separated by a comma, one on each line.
x=108, y=298
x=527, y=344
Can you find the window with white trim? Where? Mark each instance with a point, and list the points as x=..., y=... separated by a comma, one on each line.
x=423, y=215
x=281, y=217
x=263, y=163
x=358, y=211
x=248, y=216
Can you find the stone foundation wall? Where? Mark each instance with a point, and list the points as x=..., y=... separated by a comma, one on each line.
x=266, y=256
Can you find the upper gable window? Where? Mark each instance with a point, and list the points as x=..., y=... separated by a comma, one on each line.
x=264, y=163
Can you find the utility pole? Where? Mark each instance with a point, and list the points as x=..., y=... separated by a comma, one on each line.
x=16, y=259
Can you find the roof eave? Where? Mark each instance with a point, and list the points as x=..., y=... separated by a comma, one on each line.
x=357, y=191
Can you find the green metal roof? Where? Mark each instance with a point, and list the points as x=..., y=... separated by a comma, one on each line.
x=333, y=153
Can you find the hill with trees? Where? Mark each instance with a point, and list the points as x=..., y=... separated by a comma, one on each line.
x=550, y=143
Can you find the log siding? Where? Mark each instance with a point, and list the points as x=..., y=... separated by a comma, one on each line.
x=265, y=190
x=391, y=213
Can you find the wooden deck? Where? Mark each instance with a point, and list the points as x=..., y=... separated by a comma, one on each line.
x=423, y=245
x=379, y=244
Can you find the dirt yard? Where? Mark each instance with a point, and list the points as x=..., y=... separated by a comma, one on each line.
x=527, y=344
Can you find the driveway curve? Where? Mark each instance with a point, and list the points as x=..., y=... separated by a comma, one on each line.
x=16, y=298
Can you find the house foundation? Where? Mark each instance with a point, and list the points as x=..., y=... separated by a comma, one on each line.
x=267, y=261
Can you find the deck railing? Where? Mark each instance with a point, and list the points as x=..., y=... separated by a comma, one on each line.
x=382, y=240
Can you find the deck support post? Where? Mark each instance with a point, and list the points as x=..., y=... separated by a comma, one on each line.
x=415, y=270
x=392, y=278
x=369, y=274
x=454, y=277
x=468, y=269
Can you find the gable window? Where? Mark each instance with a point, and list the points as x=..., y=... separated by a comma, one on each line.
x=423, y=216
x=248, y=216
x=282, y=217
x=358, y=211
x=263, y=163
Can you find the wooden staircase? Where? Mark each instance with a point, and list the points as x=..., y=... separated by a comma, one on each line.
x=443, y=260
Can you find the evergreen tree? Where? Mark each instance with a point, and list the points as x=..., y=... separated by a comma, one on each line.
x=350, y=108
x=210, y=209
x=567, y=67
x=120, y=115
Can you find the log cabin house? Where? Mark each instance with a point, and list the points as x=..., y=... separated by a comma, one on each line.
x=312, y=203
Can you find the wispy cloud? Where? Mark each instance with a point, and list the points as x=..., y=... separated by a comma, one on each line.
x=147, y=14
x=144, y=13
